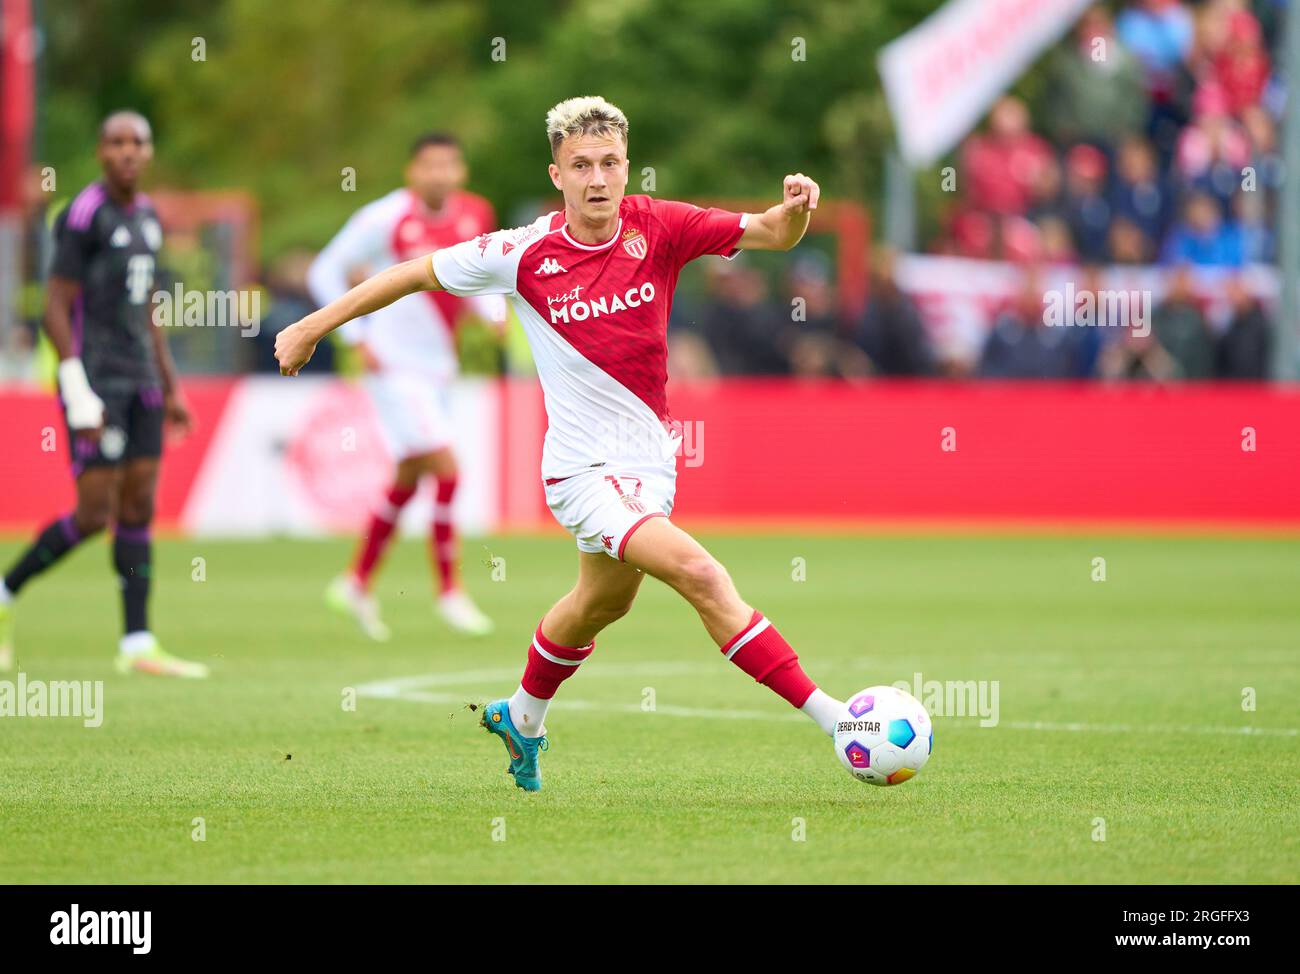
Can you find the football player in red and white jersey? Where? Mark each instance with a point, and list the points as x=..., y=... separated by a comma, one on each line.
x=408, y=350
x=593, y=284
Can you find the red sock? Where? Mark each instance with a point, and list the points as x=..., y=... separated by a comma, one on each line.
x=550, y=664
x=379, y=532
x=444, y=535
x=763, y=653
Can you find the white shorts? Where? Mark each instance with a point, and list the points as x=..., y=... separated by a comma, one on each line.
x=414, y=412
x=603, y=506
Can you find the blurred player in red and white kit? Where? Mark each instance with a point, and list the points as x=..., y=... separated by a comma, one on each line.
x=408, y=350
x=593, y=285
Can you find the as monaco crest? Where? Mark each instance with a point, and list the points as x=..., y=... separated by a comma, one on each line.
x=634, y=243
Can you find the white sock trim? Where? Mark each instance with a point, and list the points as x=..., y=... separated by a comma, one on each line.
x=555, y=659
x=740, y=643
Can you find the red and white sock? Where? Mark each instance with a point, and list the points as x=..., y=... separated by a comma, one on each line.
x=444, y=536
x=763, y=653
x=549, y=665
x=379, y=532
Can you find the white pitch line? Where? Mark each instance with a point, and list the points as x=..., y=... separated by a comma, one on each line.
x=412, y=689
x=1047, y=725
x=424, y=696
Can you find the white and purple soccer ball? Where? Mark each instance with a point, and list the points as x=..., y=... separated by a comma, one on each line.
x=883, y=736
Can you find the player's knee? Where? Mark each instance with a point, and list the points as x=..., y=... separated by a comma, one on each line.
x=604, y=611
x=92, y=516
x=443, y=468
x=617, y=610
x=137, y=509
x=703, y=580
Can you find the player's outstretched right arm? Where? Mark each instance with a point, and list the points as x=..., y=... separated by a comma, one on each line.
x=294, y=346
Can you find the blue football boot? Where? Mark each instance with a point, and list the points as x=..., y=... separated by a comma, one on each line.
x=523, y=751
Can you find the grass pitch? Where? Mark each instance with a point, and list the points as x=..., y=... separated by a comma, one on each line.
x=1120, y=716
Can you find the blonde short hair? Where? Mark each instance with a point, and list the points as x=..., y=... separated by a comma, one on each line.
x=588, y=115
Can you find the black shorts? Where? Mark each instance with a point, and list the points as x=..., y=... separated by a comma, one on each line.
x=133, y=428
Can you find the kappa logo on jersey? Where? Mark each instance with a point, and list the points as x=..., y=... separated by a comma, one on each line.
x=121, y=237
x=634, y=243
x=549, y=266
x=483, y=239
x=569, y=307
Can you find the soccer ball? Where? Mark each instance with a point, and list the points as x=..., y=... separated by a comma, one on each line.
x=883, y=736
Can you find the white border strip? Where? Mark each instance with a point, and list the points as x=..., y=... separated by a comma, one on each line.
x=435, y=688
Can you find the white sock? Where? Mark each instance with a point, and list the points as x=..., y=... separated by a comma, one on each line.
x=822, y=708
x=136, y=643
x=528, y=713
x=6, y=596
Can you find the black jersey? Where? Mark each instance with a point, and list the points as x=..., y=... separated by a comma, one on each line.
x=113, y=251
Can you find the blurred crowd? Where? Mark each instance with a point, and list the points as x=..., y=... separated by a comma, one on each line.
x=1156, y=142
x=745, y=326
x=1159, y=142
x=1153, y=140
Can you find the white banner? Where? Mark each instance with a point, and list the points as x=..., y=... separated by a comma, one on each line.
x=307, y=458
x=943, y=75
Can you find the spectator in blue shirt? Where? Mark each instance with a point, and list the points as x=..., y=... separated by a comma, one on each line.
x=1204, y=237
x=1159, y=32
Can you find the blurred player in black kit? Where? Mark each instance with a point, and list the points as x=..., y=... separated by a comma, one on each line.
x=117, y=384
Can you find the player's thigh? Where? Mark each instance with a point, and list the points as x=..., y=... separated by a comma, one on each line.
x=440, y=464
x=410, y=469
x=662, y=549
x=604, y=585
x=138, y=485
x=144, y=426
x=97, y=489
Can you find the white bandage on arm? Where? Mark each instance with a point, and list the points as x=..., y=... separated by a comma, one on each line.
x=85, y=409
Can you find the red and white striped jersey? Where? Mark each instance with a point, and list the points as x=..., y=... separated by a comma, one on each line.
x=596, y=317
x=416, y=333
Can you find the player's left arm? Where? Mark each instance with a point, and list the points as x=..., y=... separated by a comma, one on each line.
x=782, y=226
x=175, y=410
x=295, y=345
